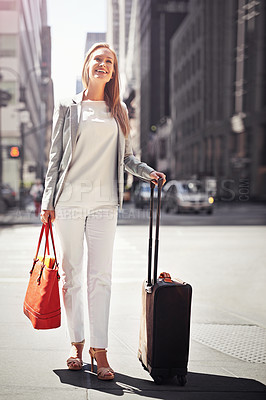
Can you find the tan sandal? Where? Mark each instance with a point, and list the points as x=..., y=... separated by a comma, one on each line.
x=75, y=363
x=103, y=373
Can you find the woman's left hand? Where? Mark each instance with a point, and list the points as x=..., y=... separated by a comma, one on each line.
x=155, y=175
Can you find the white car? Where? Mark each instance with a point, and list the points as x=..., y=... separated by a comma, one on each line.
x=186, y=196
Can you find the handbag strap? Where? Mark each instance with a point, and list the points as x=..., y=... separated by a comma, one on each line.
x=47, y=227
x=46, y=246
x=52, y=237
x=39, y=243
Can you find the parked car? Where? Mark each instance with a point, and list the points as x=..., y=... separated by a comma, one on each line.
x=186, y=196
x=8, y=195
x=142, y=195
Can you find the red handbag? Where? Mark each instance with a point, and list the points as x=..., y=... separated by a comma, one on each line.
x=42, y=300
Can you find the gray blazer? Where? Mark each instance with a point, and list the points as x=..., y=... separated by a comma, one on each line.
x=65, y=127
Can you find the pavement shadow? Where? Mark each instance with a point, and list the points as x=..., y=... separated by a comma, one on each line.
x=204, y=386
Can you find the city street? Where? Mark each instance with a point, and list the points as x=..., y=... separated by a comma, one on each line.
x=226, y=268
x=224, y=214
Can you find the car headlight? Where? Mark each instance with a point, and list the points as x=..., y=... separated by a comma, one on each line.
x=211, y=200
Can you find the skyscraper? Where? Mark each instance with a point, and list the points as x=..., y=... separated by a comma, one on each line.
x=218, y=97
x=157, y=22
x=25, y=68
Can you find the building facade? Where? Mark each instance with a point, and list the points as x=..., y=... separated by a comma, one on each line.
x=121, y=34
x=25, y=68
x=91, y=38
x=157, y=22
x=218, y=97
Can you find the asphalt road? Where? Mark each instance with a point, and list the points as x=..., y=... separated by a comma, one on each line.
x=224, y=213
x=226, y=268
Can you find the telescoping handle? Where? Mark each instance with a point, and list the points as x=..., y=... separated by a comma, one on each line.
x=150, y=282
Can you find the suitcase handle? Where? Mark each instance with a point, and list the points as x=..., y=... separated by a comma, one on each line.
x=151, y=282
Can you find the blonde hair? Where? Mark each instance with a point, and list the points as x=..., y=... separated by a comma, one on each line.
x=111, y=90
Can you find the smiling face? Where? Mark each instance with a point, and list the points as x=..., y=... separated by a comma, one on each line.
x=101, y=65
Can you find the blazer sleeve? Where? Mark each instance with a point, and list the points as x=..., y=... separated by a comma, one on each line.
x=132, y=164
x=56, y=152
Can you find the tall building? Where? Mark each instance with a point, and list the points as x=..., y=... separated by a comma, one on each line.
x=121, y=34
x=113, y=24
x=91, y=38
x=218, y=97
x=94, y=37
x=25, y=72
x=157, y=22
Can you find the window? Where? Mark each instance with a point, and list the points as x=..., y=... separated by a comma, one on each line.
x=8, y=45
x=199, y=60
x=193, y=124
x=163, y=148
x=199, y=90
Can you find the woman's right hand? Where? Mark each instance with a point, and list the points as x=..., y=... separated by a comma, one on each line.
x=45, y=214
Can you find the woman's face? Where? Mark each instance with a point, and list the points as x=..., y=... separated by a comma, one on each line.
x=101, y=65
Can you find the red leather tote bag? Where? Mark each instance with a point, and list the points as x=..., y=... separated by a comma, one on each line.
x=42, y=300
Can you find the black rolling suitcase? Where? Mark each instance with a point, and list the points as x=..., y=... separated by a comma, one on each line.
x=165, y=319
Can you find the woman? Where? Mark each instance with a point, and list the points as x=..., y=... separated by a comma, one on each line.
x=83, y=188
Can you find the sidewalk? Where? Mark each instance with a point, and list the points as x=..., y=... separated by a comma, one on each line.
x=33, y=363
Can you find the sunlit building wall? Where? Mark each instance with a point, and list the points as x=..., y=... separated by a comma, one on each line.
x=217, y=64
x=121, y=34
x=113, y=24
x=157, y=22
x=91, y=38
x=25, y=67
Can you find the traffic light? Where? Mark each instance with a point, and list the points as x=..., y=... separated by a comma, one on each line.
x=13, y=151
x=44, y=70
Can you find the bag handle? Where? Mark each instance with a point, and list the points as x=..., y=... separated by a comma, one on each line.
x=52, y=237
x=47, y=227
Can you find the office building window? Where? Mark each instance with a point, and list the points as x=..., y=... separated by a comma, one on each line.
x=193, y=127
x=8, y=45
x=198, y=27
x=163, y=148
x=7, y=5
x=198, y=120
x=199, y=60
x=198, y=90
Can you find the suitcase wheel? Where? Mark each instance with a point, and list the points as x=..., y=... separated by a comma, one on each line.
x=182, y=380
x=158, y=379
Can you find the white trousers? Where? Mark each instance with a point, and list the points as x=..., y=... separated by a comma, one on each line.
x=73, y=228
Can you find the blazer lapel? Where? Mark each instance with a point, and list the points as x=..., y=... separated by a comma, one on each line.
x=75, y=111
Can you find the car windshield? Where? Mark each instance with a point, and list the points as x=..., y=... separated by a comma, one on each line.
x=192, y=187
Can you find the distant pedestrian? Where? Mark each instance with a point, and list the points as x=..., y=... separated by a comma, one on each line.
x=36, y=192
x=84, y=186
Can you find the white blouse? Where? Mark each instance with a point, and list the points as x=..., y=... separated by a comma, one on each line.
x=91, y=181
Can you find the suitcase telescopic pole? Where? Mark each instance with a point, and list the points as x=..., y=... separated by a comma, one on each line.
x=155, y=264
x=149, y=284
